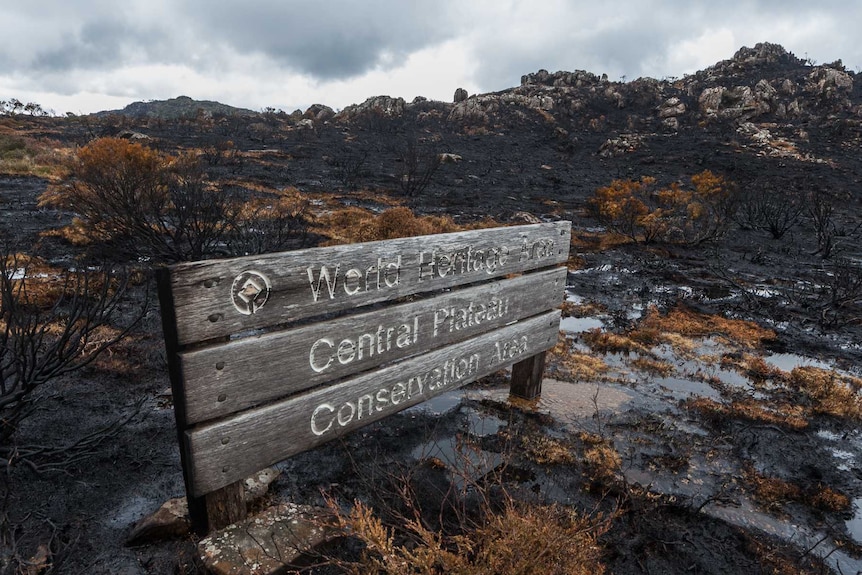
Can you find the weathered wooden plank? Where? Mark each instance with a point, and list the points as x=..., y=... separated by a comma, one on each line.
x=225, y=451
x=221, y=297
x=226, y=378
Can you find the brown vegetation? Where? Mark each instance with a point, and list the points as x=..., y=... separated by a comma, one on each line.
x=685, y=321
x=525, y=539
x=146, y=204
x=772, y=493
x=782, y=414
x=572, y=366
x=829, y=392
x=641, y=211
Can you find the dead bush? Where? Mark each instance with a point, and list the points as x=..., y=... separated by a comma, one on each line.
x=521, y=538
x=41, y=342
x=150, y=206
x=690, y=215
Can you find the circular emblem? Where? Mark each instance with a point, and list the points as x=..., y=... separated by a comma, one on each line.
x=250, y=292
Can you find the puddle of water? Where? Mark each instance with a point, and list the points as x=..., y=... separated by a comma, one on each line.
x=680, y=388
x=440, y=404
x=484, y=425
x=580, y=324
x=747, y=516
x=469, y=463
x=574, y=298
x=826, y=434
x=571, y=403
x=788, y=361
x=854, y=524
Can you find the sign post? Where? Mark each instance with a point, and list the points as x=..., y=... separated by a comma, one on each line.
x=272, y=355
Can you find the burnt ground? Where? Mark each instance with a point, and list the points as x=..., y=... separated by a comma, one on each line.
x=681, y=495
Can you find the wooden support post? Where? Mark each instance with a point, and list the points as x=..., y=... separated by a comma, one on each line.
x=527, y=377
x=225, y=506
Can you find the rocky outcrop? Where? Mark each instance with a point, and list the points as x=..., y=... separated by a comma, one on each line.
x=827, y=83
x=460, y=95
x=385, y=106
x=319, y=113
x=576, y=79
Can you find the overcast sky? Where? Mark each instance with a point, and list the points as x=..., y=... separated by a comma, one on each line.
x=88, y=55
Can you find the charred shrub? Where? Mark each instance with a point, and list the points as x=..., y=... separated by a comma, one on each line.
x=418, y=163
x=51, y=326
x=770, y=209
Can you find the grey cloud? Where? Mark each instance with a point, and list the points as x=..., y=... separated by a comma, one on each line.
x=326, y=40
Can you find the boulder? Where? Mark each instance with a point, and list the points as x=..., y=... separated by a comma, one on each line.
x=460, y=95
x=671, y=108
x=319, y=112
x=266, y=543
x=170, y=521
x=828, y=83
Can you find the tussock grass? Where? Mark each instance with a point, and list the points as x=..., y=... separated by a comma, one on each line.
x=781, y=414
x=524, y=539
x=23, y=155
x=586, y=309
x=353, y=225
x=574, y=366
x=829, y=392
x=686, y=322
x=607, y=342
x=772, y=492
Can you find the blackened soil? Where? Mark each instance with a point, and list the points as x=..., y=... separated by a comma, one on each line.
x=519, y=163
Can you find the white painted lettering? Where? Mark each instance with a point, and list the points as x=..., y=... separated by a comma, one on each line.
x=312, y=355
x=318, y=411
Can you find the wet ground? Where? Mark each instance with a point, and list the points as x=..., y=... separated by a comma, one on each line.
x=699, y=457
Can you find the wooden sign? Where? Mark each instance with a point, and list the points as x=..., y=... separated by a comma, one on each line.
x=273, y=355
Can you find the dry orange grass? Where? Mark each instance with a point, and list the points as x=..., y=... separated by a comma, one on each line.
x=602, y=341
x=655, y=367
x=599, y=455
x=781, y=414
x=772, y=492
x=586, y=309
x=573, y=366
x=594, y=242
x=546, y=450
x=754, y=367
x=687, y=322
x=828, y=499
x=520, y=538
x=353, y=225
x=829, y=392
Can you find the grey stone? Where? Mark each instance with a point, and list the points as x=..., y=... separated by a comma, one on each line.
x=267, y=543
x=170, y=521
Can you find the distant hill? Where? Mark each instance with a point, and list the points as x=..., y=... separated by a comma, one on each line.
x=180, y=107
